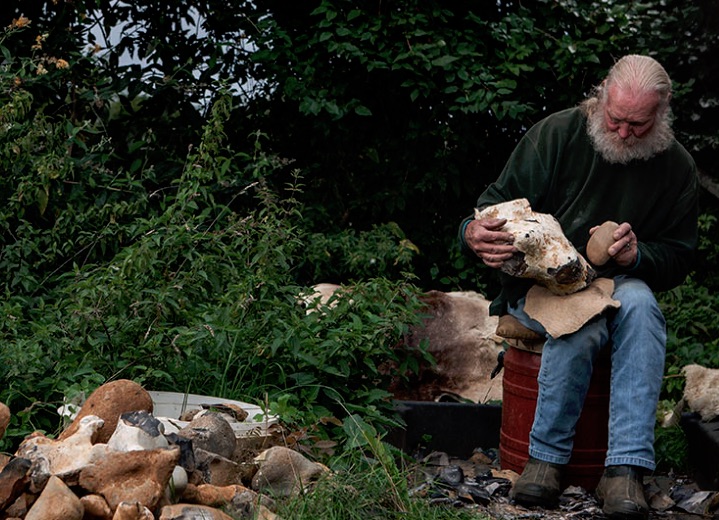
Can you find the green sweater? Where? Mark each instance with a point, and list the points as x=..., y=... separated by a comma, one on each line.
x=556, y=168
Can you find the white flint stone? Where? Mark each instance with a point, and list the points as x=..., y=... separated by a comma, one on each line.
x=285, y=472
x=64, y=458
x=177, y=485
x=545, y=254
x=138, y=431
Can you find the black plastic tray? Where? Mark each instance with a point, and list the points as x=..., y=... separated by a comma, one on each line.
x=702, y=450
x=454, y=428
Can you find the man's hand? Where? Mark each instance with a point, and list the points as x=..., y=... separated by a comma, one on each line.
x=491, y=245
x=624, y=249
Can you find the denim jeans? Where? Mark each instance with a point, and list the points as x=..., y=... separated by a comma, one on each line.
x=636, y=334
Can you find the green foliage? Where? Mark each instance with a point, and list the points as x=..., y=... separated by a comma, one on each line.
x=351, y=255
x=190, y=287
x=154, y=224
x=465, y=275
x=670, y=446
x=336, y=356
x=398, y=113
x=690, y=310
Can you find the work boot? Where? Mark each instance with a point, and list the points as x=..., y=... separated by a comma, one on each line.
x=621, y=493
x=539, y=484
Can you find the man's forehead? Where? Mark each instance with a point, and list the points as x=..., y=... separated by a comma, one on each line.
x=627, y=105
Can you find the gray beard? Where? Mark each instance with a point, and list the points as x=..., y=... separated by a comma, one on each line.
x=614, y=149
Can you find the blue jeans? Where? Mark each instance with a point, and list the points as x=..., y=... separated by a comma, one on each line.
x=636, y=333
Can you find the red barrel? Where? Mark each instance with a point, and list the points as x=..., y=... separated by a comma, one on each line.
x=519, y=400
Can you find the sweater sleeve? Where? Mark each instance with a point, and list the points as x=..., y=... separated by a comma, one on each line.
x=668, y=258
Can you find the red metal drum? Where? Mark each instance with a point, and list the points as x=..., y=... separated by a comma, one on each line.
x=519, y=400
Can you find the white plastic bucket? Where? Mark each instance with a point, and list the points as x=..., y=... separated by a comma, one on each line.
x=169, y=406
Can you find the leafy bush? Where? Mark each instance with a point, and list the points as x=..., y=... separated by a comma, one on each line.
x=383, y=250
x=671, y=450
x=690, y=311
x=185, y=293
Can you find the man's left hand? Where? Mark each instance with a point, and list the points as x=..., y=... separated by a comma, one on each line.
x=624, y=249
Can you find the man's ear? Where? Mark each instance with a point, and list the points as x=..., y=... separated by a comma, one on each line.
x=665, y=106
x=600, y=89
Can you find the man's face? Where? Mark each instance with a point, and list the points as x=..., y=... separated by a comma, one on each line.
x=631, y=117
x=626, y=127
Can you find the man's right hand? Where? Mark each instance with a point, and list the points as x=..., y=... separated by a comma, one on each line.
x=491, y=245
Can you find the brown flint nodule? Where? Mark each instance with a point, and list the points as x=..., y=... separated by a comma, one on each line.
x=599, y=243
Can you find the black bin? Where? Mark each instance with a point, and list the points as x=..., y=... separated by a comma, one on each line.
x=702, y=449
x=454, y=428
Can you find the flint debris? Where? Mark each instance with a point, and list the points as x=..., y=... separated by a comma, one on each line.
x=478, y=484
x=134, y=471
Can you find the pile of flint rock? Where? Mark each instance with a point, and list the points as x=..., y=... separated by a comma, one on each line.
x=114, y=462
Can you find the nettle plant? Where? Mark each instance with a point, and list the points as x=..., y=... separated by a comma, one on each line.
x=191, y=286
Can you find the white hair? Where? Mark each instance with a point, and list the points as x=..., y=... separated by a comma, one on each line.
x=638, y=75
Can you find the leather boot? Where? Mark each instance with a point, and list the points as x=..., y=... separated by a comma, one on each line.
x=539, y=484
x=621, y=493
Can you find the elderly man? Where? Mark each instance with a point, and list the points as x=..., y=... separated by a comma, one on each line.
x=614, y=157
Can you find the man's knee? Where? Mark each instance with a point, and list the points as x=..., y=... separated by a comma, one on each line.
x=635, y=294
